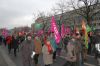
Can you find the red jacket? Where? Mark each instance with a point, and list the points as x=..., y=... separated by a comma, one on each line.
x=9, y=39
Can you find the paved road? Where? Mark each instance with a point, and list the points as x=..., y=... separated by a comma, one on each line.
x=2, y=61
x=4, y=58
x=17, y=61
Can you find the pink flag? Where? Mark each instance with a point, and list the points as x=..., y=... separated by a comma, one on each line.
x=5, y=33
x=40, y=32
x=68, y=30
x=55, y=29
x=52, y=30
x=62, y=30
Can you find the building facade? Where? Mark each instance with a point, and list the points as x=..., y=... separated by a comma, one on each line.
x=72, y=19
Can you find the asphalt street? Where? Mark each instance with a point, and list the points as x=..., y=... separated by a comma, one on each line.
x=9, y=59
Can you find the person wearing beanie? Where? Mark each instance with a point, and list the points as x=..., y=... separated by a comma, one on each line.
x=27, y=48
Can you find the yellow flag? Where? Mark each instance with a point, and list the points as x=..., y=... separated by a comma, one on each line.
x=85, y=33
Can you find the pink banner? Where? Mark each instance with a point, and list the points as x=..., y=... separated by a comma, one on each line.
x=40, y=32
x=5, y=33
x=55, y=29
x=62, y=30
x=68, y=30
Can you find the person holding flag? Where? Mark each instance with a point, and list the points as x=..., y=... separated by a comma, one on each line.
x=47, y=51
x=84, y=29
x=86, y=38
x=74, y=50
x=26, y=50
x=54, y=45
x=97, y=47
x=57, y=35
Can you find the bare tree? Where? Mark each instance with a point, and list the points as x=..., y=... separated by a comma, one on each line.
x=85, y=8
x=42, y=18
x=38, y=15
x=60, y=9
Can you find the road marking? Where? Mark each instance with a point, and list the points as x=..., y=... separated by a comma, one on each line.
x=6, y=58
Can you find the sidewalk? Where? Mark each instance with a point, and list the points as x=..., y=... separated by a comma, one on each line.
x=4, y=58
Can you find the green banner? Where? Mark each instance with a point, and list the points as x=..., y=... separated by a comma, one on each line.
x=38, y=26
x=88, y=28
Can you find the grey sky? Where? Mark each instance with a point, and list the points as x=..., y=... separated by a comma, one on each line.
x=19, y=12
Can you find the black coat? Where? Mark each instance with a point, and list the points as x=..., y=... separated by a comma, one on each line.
x=20, y=39
x=1, y=38
x=14, y=43
x=97, y=39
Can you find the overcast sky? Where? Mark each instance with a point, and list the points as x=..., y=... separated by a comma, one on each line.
x=14, y=13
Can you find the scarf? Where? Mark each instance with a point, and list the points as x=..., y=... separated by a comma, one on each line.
x=48, y=45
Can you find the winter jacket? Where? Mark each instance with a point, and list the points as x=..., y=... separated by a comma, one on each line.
x=38, y=46
x=26, y=48
x=71, y=54
x=14, y=43
x=9, y=39
x=47, y=57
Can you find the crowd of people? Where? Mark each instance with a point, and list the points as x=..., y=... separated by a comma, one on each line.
x=45, y=44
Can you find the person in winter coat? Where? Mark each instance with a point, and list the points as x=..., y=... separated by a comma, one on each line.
x=38, y=49
x=97, y=47
x=90, y=42
x=54, y=45
x=9, y=43
x=47, y=51
x=59, y=47
x=78, y=49
x=74, y=48
x=71, y=54
x=14, y=44
x=66, y=40
x=20, y=40
x=1, y=39
x=4, y=41
x=27, y=48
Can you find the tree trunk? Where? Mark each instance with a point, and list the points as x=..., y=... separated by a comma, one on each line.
x=89, y=21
